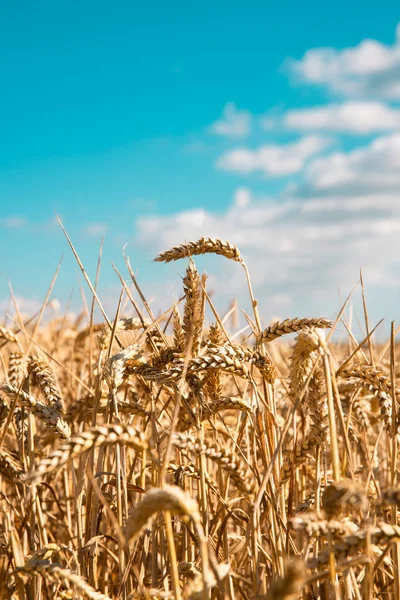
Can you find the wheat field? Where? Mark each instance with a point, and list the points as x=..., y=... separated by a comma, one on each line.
x=178, y=456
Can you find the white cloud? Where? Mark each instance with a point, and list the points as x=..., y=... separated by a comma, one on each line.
x=234, y=122
x=15, y=222
x=272, y=159
x=374, y=168
x=294, y=252
x=310, y=241
x=370, y=69
x=242, y=197
x=26, y=306
x=349, y=117
x=95, y=229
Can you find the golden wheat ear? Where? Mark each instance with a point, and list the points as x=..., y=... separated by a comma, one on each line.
x=204, y=245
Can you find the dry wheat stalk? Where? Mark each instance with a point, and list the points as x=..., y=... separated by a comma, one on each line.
x=17, y=371
x=83, y=407
x=170, y=498
x=114, y=368
x=10, y=466
x=179, y=336
x=192, y=312
x=241, y=476
x=206, y=411
x=316, y=526
x=44, y=379
x=151, y=594
x=55, y=572
x=212, y=378
x=371, y=377
x=7, y=334
x=291, y=326
x=84, y=333
x=202, y=246
x=223, y=361
x=48, y=414
x=302, y=451
x=382, y=533
x=340, y=495
x=166, y=356
x=196, y=589
x=4, y=410
x=191, y=471
x=303, y=358
x=391, y=496
x=309, y=502
x=288, y=587
x=85, y=440
x=379, y=384
x=219, y=359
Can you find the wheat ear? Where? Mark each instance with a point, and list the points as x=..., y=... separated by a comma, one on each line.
x=383, y=533
x=280, y=328
x=85, y=440
x=239, y=473
x=169, y=498
x=48, y=414
x=56, y=572
x=192, y=312
x=204, y=245
x=379, y=384
x=42, y=376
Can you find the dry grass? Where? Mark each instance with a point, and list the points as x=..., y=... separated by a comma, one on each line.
x=149, y=457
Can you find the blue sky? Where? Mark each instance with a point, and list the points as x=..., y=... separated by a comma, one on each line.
x=160, y=122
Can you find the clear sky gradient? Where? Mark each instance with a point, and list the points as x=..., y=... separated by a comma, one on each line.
x=158, y=122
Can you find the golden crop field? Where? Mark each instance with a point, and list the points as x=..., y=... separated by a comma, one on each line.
x=174, y=456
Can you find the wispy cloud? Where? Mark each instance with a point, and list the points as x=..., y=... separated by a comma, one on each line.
x=233, y=123
x=349, y=117
x=273, y=159
x=95, y=229
x=370, y=69
x=14, y=222
x=374, y=168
